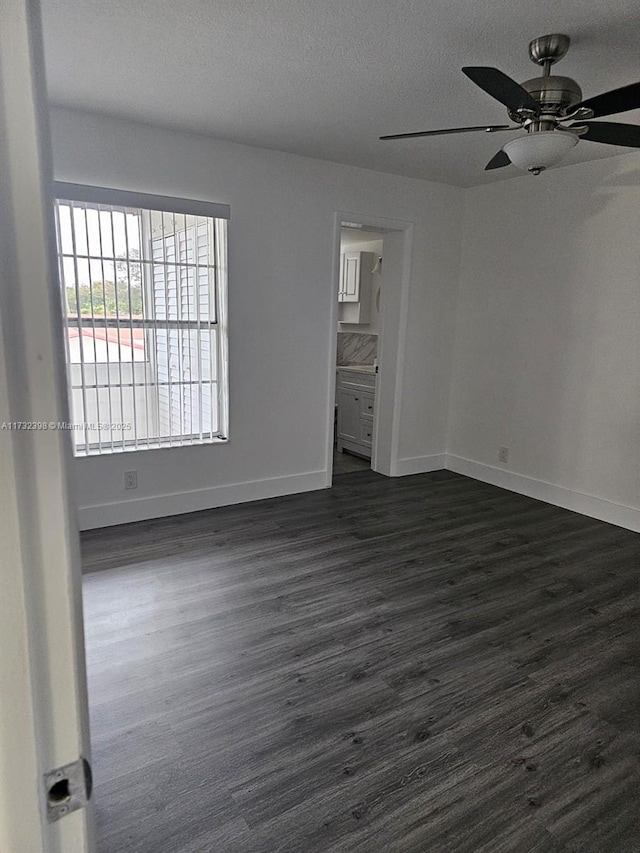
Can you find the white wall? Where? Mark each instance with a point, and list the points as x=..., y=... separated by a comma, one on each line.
x=547, y=354
x=281, y=299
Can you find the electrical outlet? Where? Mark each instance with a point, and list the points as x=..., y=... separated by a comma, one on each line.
x=503, y=454
x=131, y=479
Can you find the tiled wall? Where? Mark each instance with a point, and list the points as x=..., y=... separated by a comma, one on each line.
x=355, y=348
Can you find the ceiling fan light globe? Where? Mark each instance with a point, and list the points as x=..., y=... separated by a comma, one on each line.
x=535, y=152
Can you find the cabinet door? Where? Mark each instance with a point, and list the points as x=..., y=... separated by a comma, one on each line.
x=350, y=278
x=341, y=284
x=348, y=415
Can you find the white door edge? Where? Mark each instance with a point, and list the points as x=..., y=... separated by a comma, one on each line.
x=43, y=698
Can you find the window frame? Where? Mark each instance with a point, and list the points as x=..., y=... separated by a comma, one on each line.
x=218, y=215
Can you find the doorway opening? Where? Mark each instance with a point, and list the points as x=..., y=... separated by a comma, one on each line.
x=371, y=281
x=359, y=298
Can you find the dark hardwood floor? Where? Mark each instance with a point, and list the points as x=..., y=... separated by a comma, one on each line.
x=409, y=665
x=347, y=463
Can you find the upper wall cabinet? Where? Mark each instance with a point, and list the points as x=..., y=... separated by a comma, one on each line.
x=354, y=292
x=350, y=267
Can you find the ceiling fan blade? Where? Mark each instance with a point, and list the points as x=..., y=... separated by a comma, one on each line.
x=616, y=101
x=498, y=161
x=488, y=128
x=502, y=88
x=611, y=133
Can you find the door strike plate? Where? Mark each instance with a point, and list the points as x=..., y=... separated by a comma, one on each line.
x=67, y=788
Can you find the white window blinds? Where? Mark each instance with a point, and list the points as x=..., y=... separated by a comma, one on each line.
x=143, y=283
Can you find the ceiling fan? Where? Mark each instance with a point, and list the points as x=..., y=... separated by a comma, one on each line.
x=541, y=106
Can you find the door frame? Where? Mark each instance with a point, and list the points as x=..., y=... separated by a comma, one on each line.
x=397, y=235
x=44, y=720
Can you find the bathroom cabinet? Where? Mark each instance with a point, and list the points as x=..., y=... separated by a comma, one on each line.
x=356, y=405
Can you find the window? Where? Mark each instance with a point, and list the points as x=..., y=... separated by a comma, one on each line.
x=143, y=284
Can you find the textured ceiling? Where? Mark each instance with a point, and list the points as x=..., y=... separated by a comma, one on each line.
x=325, y=79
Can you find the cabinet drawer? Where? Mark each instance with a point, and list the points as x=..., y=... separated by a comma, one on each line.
x=365, y=432
x=366, y=402
x=350, y=380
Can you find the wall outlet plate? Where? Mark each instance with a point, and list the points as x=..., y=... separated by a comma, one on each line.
x=503, y=454
x=131, y=479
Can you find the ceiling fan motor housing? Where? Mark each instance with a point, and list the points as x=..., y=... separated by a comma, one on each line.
x=556, y=95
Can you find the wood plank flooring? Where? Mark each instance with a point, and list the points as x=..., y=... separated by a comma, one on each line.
x=418, y=665
x=347, y=463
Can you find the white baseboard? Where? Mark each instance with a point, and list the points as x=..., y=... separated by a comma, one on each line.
x=590, y=505
x=419, y=465
x=106, y=515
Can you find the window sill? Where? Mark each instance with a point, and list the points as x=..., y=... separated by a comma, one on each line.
x=186, y=441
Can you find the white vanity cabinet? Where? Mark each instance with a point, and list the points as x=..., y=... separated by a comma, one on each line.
x=354, y=292
x=355, y=397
